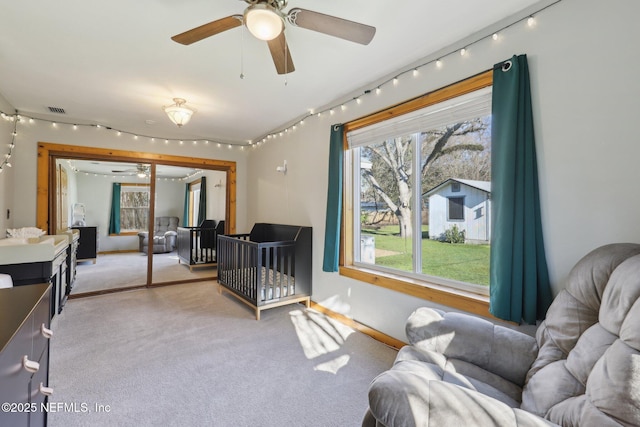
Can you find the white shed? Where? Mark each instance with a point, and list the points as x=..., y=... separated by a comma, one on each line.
x=462, y=202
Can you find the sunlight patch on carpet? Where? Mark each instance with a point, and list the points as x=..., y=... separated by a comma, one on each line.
x=318, y=334
x=333, y=366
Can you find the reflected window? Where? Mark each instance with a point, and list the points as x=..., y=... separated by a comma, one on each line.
x=134, y=208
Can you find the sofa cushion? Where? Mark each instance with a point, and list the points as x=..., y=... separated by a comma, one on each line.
x=585, y=372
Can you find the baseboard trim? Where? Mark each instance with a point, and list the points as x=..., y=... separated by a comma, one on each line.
x=373, y=333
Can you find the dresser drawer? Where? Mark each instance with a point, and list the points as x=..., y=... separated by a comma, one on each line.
x=40, y=333
x=24, y=351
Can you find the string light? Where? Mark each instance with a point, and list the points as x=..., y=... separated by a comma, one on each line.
x=188, y=177
x=6, y=162
x=22, y=119
x=439, y=63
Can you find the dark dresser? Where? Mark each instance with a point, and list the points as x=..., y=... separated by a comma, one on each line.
x=87, y=244
x=24, y=354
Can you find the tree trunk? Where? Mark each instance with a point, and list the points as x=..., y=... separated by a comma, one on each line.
x=403, y=212
x=404, y=220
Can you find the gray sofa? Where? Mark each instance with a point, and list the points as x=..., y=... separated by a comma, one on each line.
x=581, y=369
x=164, y=235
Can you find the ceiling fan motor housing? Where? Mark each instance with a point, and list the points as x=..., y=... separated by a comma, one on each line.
x=276, y=4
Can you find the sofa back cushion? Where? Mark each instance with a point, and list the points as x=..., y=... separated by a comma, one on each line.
x=584, y=373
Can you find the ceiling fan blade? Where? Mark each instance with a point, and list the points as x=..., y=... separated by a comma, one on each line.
x=331, y=25
x=208, y=30
x=279, y=50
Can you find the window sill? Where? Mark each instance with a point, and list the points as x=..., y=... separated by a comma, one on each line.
x=454, y=298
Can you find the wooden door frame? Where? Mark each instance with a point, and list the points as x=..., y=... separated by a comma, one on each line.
x=48, y=153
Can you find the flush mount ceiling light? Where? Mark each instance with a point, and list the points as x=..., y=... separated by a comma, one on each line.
x=179, y=113
x=263, y=21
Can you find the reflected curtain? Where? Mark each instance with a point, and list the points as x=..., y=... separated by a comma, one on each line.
x=520, y=288
x=185, y=208
x=334, y=200
x=114, y=215
x=202, y=207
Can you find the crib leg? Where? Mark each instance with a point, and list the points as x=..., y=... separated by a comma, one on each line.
x=257, y=313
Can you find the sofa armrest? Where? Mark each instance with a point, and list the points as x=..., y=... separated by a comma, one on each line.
x=143, y=234
x=170, y=233
x=402, y=398
x=497, y=349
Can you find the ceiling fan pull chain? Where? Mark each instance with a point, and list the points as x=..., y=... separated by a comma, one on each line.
x=242, y=54
x=286, y=62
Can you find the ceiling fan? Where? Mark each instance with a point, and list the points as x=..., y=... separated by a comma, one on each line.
x=141, y=170
x=266, y=19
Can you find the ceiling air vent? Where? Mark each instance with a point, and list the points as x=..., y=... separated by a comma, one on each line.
x=57, y=110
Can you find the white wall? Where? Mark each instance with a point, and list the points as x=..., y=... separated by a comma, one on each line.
x=216, y=194
x=25, y=156
x=586, y=96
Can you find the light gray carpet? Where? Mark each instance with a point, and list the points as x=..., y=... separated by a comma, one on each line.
x=186, y=356
x=120, y=270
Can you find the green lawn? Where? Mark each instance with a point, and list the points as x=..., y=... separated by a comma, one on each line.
x=466, y=263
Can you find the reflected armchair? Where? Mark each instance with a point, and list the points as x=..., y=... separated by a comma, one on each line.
x=164, y=235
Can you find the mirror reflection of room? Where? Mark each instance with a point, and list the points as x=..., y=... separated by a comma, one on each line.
x=108, y=203
x=197, y=203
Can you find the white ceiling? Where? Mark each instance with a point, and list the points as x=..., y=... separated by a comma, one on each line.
x=113, y=62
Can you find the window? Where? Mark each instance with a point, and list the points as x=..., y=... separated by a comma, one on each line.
x=134, y=208
x=418, y=185
x=456, y=208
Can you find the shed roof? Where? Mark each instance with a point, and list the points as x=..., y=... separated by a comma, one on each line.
x=480, y=185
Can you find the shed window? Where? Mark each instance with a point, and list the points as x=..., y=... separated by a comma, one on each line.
x=456, y=208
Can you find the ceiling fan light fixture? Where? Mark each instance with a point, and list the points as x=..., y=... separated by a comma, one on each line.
x=179, y=113
x=263, y=21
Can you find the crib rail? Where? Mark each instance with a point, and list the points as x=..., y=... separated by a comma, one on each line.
x=259, y=272
x=197, y=245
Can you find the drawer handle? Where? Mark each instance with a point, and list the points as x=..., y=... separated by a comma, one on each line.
x=30, y=365
x=47, y=391
x=46, y=332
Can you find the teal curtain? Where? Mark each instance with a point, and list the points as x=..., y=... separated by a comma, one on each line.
x=185, y=209
x=334, y=200
x=114, y=216
x=520, y=288
x=202, y=207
